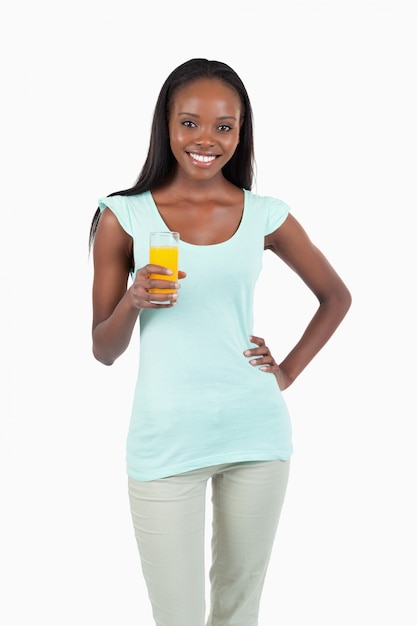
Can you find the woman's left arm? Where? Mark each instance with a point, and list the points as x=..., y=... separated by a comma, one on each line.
x=291, y=243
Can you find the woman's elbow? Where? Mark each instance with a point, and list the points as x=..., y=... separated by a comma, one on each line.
x=102, y=358
x=346, y=298
x=342, y=299
x=339, y=299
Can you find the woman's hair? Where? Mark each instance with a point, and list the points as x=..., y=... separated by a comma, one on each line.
x=160, y=162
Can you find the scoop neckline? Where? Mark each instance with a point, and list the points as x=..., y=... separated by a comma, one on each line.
x=208, y=245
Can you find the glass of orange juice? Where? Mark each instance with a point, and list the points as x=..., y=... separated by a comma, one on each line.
x=163, y=251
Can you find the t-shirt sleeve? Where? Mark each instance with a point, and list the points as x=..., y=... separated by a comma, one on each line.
x=119, y=206
x=276, y=214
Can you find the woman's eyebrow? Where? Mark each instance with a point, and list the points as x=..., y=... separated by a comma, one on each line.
x=221, y=117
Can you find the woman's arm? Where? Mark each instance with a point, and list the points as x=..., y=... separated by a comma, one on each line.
x=291, y=243
x=114, y=315
x=115, y=306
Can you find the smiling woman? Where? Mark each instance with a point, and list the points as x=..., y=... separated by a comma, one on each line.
x=208, y=403
x=204, y=124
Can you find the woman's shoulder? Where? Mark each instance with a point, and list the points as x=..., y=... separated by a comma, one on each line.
x=121, y=199
x=273, y=210
x=263, y=199
x=124, y=207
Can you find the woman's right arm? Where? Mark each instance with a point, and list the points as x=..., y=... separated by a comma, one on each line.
x=115, y=306
x=114, y=315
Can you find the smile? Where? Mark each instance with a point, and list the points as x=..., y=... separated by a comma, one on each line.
x=201, y=158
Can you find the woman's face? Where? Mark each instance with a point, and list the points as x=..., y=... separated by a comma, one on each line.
x=204, y=125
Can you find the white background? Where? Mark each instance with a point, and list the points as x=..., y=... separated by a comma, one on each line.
x=333, y=91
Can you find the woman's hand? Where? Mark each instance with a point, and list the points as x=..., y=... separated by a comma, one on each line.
x=261, y=356
x=140, y=291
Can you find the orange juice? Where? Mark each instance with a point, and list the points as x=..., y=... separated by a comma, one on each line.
x=167, y=256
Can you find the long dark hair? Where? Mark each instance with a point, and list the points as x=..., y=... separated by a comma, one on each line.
x=160, y=162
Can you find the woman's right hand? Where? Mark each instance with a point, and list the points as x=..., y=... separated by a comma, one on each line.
x=140, y=294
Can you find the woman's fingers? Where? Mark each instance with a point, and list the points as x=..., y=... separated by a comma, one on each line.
x=151, y=293
x=261, y=356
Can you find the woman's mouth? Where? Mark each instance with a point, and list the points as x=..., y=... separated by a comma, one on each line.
x=202, y=158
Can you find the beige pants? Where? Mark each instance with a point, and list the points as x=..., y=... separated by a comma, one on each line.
x=168, y=517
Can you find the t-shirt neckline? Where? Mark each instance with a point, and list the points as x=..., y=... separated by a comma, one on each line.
x=210, y=245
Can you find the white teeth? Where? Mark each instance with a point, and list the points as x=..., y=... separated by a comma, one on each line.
x=202, y=158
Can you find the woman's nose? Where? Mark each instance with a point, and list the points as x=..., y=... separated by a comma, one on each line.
x=205, y=138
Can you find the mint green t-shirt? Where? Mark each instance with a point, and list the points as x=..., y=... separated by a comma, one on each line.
x=197, y=401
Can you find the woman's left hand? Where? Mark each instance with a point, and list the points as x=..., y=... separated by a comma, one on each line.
x=261, y=356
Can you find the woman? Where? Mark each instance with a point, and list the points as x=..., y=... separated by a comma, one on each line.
x=208, y=402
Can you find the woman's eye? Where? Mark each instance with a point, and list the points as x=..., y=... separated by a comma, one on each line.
x=225, y=128
x=188, y=124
